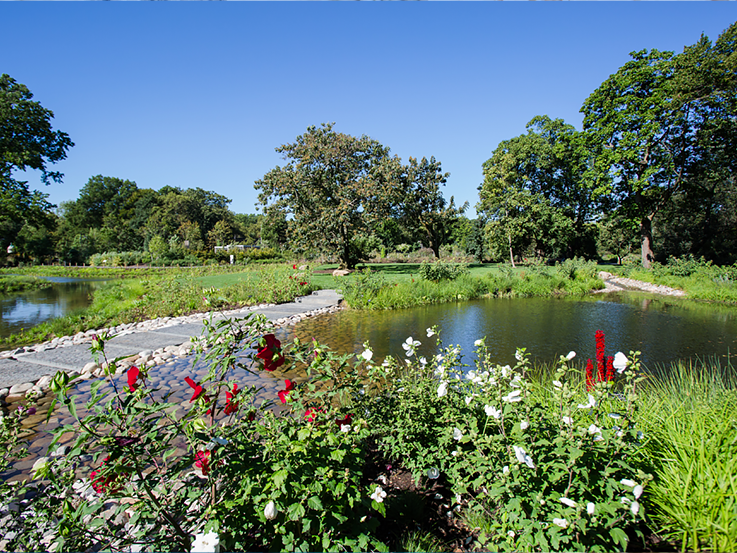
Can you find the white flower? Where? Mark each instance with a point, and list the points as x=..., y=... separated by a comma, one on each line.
x=512, y=397
x=628, y=482
x=433, y=473
x=571, y=355
x=409, y=346
x=511, y=533
x=423, y=361
x=345, y=427
x=367, y=354
x=505, y=370
x=620, y=362
x=518, y=355
x=557, y=384
x=386, y=362
x=270, y=511
x=569, y=502
x=443, y=388
x=593, y=429
x=590, y=508
x=524, y=425
x=478, y=343
x=568, y=420
x=454, y=453
x=522, y=457
x=430, y=333
x=635, y=507
x=469, y=399
x=589, y=405
x=457, y=434
x=615, y=416
x=206, y=543
x=505, y=469
x=637, y=492
x=515, y=381
x=439, y=358
x=563, y=523
x=378, y=495
x=440, y=371
x=492, y=412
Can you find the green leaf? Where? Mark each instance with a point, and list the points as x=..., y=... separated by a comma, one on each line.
x=295, y=511
x=314, y=503
x=279, y=477
x=619, y=536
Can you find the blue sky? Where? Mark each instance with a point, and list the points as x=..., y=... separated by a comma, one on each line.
x=198, y=94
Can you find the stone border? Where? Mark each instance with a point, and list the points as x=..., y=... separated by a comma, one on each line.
x=621, y=284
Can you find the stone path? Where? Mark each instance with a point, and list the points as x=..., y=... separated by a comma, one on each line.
x=619, y=284
x=149, y=342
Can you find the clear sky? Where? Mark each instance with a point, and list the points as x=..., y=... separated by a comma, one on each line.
x=198, y=94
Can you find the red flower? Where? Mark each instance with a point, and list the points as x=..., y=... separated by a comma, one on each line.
x=251, y=416
x=284, y=394
x=347, y=420
x=198, y=390
x=294, y=266
x=589, y=375
x=202, y=461
x=311, y=413
x=609, y=368
x=270, y=353
x=600, y=365
x=133, y=374
x=230, y=405
x=104, y=483
x=303, y=284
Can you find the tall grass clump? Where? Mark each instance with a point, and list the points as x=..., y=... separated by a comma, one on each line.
x=15, y=284
x=691, y=429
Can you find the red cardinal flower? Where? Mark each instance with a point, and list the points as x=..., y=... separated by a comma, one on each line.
x=270, y=353
x=600, y=366
x=284, y=394
x=609, y=368
x=198, y=390
x=202, y=461
x=589, y=375
x=230, y=405
x=133, y=374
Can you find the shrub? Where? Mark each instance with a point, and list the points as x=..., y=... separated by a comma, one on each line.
x=439, y=270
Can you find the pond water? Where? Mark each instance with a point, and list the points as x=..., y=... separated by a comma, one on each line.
x=29, y=309
x=664, y=329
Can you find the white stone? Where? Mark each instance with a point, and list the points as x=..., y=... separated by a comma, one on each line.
x=20, y=388
x=89, y=367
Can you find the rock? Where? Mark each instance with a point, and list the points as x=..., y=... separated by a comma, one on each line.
x=90, y=367
x=44, y=382
x=342, y=272
x=20, y=388
x=4, y=392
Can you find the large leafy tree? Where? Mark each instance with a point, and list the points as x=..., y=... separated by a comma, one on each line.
x=27, y=141
x=332, y=189
x=663, y=128
x=424, y=209
x=535, y=195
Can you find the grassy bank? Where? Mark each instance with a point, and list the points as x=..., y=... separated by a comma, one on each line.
x=392, y=286
x=15, y=284
x=149, y=294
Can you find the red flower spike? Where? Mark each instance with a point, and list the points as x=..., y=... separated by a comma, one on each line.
x=600, y=364
x=230, y=405
x=270, y=353
x=198, y=390
x=589, y=375
x=284, y=394
x=133, y=374
x=347, y=420
x=609, y=368
x=202, y=461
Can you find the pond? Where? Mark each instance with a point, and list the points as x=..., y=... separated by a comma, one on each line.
x=26, y=310
x=664, y=329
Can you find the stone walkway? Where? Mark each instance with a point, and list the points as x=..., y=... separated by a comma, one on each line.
x=620, y=284
x=149, y=342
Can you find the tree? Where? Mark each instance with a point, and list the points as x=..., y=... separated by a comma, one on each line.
x=27, y=141
x=424, y=209
x=535, y=195
x=333, y=187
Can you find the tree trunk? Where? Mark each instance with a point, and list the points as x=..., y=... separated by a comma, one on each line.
x=646, y=235
x=511, y=253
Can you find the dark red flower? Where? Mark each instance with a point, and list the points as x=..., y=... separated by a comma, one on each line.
x=202, y=461
x=251, y=416
x=600, y=364
x=284, y=394
x=133, y=374
x=230, y=405
x=270, y=353
x=102, y=483
x=198, y=390
x=347, y=420
x=589, y=375
x=294, y=266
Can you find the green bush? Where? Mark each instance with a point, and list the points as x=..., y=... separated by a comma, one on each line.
x=439, y=270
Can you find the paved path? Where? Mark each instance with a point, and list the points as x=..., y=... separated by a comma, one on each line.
x=29, y=367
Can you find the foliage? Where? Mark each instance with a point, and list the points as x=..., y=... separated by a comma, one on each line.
x=14, y=284
x=440, y=270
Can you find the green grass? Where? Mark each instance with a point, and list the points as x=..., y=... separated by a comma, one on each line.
x=15, y=284
x=702, y=285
